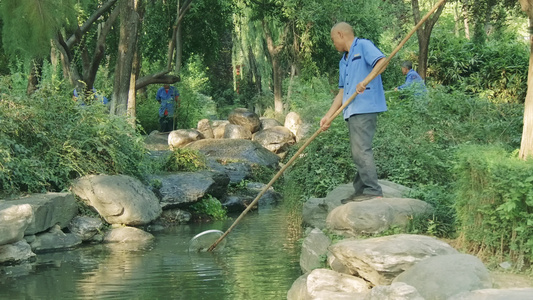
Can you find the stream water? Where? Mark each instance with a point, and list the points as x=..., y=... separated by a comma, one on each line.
x=260, y=261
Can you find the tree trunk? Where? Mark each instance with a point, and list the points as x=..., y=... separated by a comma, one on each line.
x=129, y=20
x=466, y=19
x=526, y=145
x=277, y=80
x=35, y=76
x=424, y=35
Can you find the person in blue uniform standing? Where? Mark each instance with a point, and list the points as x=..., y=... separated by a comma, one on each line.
x=168, y=97
x=360, y=57
x=412, y=80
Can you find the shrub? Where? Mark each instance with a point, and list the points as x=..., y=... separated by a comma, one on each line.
x=184, y=160
x=47, y=140
x=211, y=207
x=495, y=204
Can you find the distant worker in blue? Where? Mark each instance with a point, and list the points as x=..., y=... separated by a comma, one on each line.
x=413, y=81
x=97, y=96
x=168, y=97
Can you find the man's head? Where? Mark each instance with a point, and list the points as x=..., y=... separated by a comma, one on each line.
x=342, y=36
x=406, y=66
x=166, y=86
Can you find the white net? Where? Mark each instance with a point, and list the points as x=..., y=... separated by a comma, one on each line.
x=202, y=241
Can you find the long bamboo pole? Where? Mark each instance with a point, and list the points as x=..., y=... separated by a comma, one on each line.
x=375, y=72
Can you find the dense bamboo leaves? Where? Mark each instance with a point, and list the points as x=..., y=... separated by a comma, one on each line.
x=28, y=25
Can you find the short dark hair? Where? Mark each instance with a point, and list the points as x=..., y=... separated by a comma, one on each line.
x=407, y=64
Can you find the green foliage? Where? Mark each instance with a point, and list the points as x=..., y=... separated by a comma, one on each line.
x=442, y=222
x=495, y=203
x=47, y=140
x=211, y=207
x=29, y=25
x=417, y=137
x=184, y=160
x=497, y=69
x=323, y=165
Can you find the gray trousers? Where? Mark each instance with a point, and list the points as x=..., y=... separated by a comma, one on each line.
x=362, y=129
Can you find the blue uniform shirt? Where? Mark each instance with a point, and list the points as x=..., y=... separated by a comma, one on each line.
x=413, y=80
x=353, y=68
x=167, y=100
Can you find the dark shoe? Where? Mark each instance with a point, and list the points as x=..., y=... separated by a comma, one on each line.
x=358, y=198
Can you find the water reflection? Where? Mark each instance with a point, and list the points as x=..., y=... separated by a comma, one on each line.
x=260, y=261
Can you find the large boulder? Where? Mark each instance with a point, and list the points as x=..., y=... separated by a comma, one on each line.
x=440, y=277
x=127, y=235
x=156, y=141
x=276, y=139
x=189, y=187
x=119, y=199
x=55, y=239
x=14, y=220
x=267, y=123
x=379, y=260
x=324, y=284
x=85, y=227
x=236, y=171
x=233, y=131
x=314, y=250
x=239, y=199
x=395, y=291
x=48, y=210
x=375, y=215
x=236, y=150
x=245, y=118
x=495, y=294
x=219, y=127
x=181, y=137
x=315, y=210
x=205, y=129
x=16, y=253
x=293, y=122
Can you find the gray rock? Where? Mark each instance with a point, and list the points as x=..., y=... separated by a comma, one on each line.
x=182, y=137
x=245, y=118
x=189, y=187
x=175, y=216
x=236, y=171
x=239, y=200
x=495, y=294
x=276, y=139
x=236, y=150
x=127, y=235
x=119, y=199
x=54, y=240
x=267, y=123
x=205, y=129
x=219, y=127
x=395, y=291
x=16, y=253
x=325, y=284
x=14, y=220
x=156, y=141
x=375, y=215
x=48, y=210
x=380, y=260
x=293, y=122
x=233, y=131
x=85, y=227
x=314, y=250
x=443, y=276
x=316, y=210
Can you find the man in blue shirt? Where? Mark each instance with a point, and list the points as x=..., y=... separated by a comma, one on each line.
x=360, y=57
x=412, y=80
x=167, y=96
